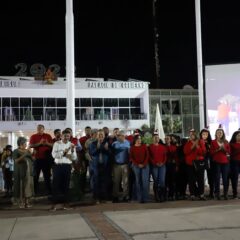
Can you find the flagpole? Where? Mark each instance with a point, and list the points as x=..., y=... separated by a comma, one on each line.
x=199, y=63
x=70, y=66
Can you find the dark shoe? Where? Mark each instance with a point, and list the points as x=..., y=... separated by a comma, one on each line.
x=115, y=200
x=202, y=198
x=210, y=196
x=217, y=197
x=225, y=197
x=125, y=199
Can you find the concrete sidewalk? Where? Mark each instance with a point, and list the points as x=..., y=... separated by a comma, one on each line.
x=110, y=221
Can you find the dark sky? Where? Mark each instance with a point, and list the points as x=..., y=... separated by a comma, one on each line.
x=114, y=39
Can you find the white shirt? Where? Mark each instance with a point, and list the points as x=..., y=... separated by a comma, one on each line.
x=57, y=152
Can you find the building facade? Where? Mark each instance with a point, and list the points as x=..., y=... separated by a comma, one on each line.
x=179, y=109
x=25, y=102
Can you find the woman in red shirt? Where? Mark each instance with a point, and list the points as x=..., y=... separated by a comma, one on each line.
x=171, y=166
x=157, y=154
x=195, y=150
x=139, y=159
x=220, y=151
x=209, y=165
x=235, y=161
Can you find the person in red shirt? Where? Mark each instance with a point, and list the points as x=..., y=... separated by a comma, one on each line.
x=195, y=150
x=42, y=144
x=83, y=161
x=139, y=159
x=157, y=156
x=220, y=152
x=235, y=162
x=209, y=165
x=171, y=167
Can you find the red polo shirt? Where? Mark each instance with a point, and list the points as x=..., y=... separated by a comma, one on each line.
x=158, y=154
x=197, y=153
x=235, y=151
x=42, y=152
x=139, y=155
x=219, y=156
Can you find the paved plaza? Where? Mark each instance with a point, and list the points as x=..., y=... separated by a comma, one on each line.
x=155, y=221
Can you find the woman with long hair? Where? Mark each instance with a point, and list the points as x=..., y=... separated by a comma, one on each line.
x=23, y=177
x=8, y=166
x=209, y=164
x=220, y=151
x=194, y=151
x=171, y=167
x=235, y=162
x=139, y=158
x=158, y=154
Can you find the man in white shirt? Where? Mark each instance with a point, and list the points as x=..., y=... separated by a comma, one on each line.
x=64, y=153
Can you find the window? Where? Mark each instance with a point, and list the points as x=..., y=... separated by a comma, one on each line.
x=85, y=102
x=175, y=107
x=6, y=102
x=97, y=102
x=37, y=102
x=135, y=113
x=77, y=113
x=135, y=102
x=123, y=102
x=14, y=102
x=50, y=102
x=36, y=112
x=61, y=113
x=110, y=102
x=123, y=113
x=77, y=102
x=166, y=107
x=61, y=102
x=25, y=102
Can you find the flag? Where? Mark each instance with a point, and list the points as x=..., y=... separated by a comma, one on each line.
x=158, y=124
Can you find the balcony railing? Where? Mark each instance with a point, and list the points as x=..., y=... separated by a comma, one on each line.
x=59, y=117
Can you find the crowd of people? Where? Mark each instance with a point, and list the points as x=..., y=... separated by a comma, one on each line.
x=119, y=168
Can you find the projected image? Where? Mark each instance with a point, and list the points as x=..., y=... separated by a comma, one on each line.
x=223, y=97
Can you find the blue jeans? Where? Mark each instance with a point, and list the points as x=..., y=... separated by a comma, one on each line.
x=159, y=175
x=221, y=169
x=142, y=182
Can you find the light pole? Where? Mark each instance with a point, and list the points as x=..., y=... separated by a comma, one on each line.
x=70, y=66
x=199, y=63
x=157, y=64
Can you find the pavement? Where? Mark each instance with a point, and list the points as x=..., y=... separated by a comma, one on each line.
x=188, y=220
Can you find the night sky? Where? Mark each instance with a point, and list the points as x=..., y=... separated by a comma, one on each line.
x=114, y=39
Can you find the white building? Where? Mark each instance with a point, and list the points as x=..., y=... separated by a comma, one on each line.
x=25, y=102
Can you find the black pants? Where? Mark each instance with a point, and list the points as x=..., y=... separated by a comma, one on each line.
x=61, y=182
x=221, y=169
x=211, y=178
x=196, y=181
x=181, y=180
x=171, y=179
x=43, y=165
x=8, y=180
x=234, y=172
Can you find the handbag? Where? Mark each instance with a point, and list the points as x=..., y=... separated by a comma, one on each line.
x=198, y=165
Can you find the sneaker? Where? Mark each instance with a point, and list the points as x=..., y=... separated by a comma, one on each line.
x=192, y=197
